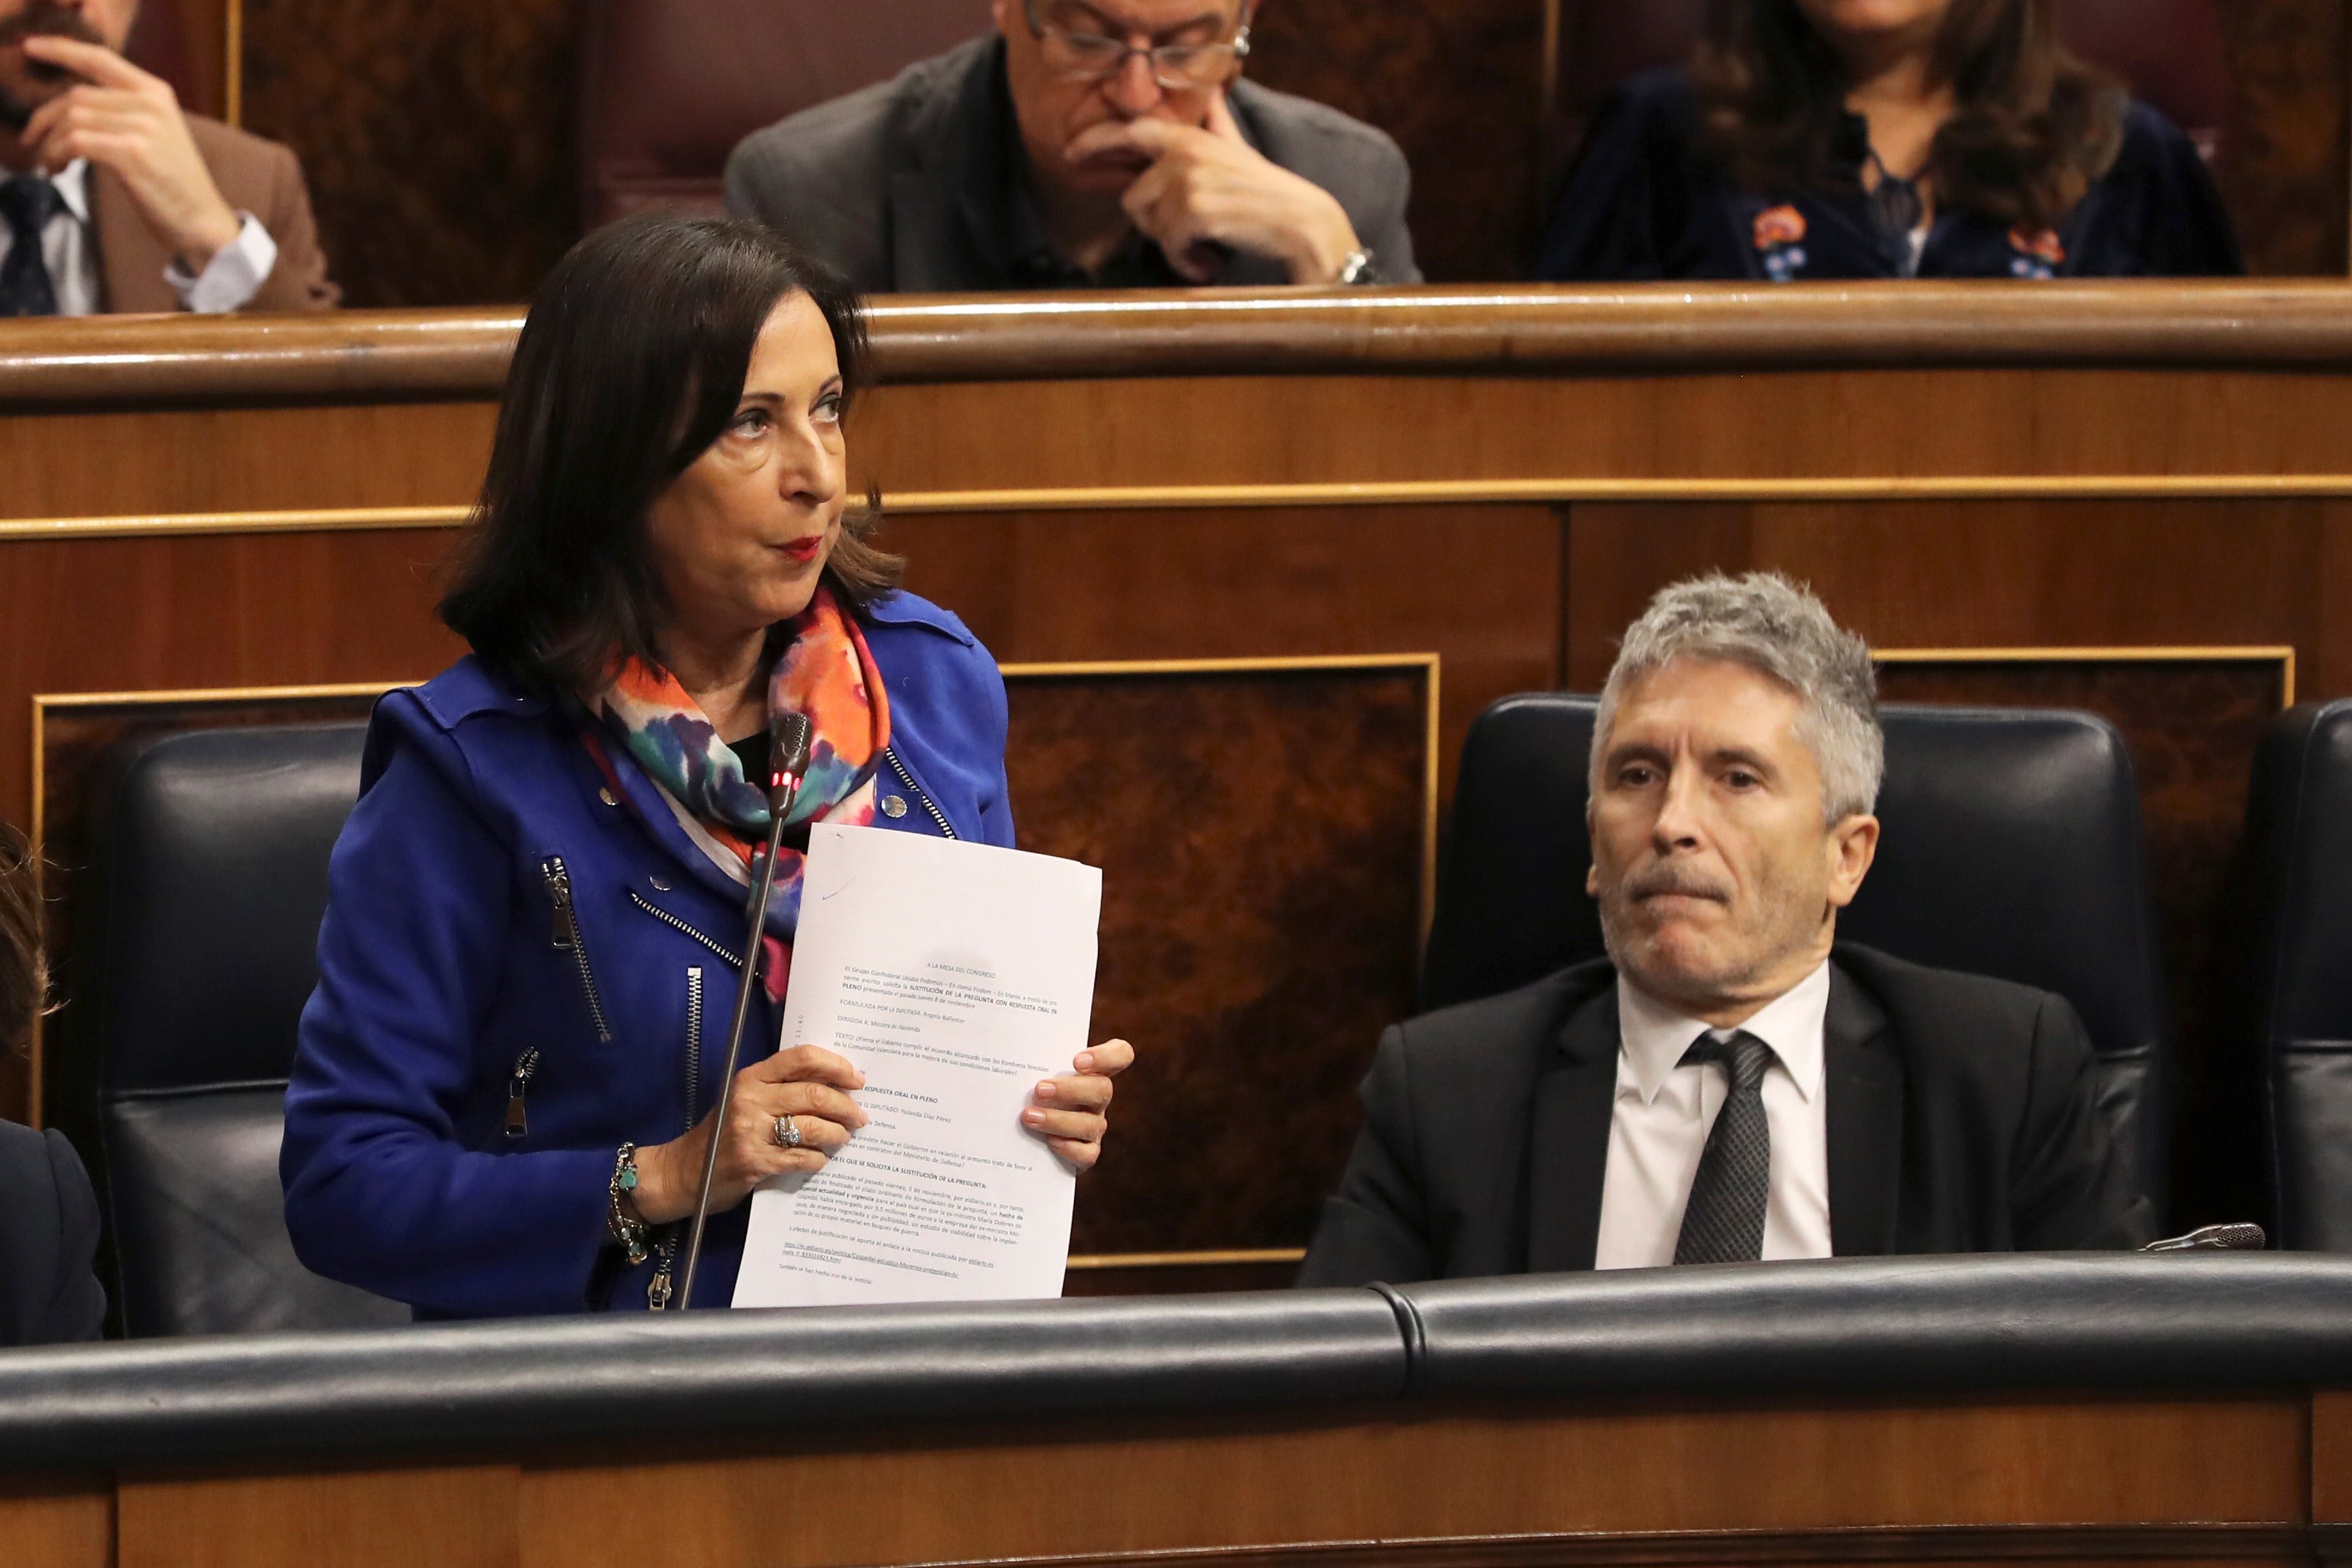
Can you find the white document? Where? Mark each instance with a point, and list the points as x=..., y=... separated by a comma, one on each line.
x=955, y=977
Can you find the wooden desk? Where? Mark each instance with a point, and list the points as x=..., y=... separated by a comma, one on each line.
x=2040, y=1478
x=1883, y=1411
x=2133, y=498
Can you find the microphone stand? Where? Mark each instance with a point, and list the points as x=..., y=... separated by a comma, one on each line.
x=783, y=790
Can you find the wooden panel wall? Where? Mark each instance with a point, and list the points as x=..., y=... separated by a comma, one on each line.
x=438, y=134
x=2287, y=172
x=1459, y=84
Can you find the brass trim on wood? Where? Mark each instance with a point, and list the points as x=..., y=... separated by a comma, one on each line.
x=1570, y=489
x=2257, y=653
x=1407, y=492
x=1090, y=1261
x=344, y=519
x=1670, y=1549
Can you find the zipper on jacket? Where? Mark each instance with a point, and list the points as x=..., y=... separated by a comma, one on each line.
x=658, y=1289
x=517, y=1084
x=668, y=919
x=890, y=755
x=565, y=937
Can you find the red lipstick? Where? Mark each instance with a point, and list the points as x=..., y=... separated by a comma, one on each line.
x=803, y=549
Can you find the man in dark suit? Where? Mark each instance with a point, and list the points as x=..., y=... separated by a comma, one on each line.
x=1089, y=143
x=1730, y=1083
x=48, y=1217
x=113, y=199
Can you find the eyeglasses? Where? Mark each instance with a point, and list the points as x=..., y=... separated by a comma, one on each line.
x=1179, y=68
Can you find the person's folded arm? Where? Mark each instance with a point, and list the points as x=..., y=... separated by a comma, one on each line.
x=381, y=1192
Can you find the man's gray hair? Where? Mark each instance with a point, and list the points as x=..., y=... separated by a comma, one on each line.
x=1779, y=630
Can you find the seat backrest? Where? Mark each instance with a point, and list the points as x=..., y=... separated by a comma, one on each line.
x=668, y=87
x=2012, y=848
x=196, y=951
x=2299, y=847
x=2168, y=51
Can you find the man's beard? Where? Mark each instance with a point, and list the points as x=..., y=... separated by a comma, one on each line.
x=34, y=82
x=1774, y=929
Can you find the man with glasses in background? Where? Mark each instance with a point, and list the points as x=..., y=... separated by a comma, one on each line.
x=1090, y=143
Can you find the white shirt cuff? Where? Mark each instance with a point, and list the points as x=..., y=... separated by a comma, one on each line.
x=233, y=276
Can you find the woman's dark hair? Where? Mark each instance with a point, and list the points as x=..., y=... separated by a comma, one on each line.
x=629, y=367
x=2034, y=125
x=24, y=955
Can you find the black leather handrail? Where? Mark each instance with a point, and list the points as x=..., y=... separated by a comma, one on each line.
x=2011, y=1320
x=776, y=1374
x=1864, y=1324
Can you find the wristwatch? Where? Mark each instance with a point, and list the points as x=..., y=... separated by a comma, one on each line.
x=1361, y=269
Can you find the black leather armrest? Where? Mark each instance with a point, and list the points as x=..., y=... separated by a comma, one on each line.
x=493, y=1386
x=2012, y=1320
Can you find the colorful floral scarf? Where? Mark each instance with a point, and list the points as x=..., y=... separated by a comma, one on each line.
x=825, y=670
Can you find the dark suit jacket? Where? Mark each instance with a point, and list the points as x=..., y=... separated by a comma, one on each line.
x=48, y=1234
x=1961, y=1118
x=254, y=175
x=903, y=187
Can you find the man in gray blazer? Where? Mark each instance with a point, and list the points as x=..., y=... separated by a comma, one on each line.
x=1104, y=144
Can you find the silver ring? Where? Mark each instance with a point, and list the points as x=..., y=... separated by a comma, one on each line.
x=787, y=1135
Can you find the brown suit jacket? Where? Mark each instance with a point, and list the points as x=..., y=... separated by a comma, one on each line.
x=254, y=175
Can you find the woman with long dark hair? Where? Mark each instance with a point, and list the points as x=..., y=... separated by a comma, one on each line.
x=503, y=1098
x=1842, y=139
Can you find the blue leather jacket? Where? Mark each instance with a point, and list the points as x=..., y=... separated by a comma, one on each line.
x=520, y=970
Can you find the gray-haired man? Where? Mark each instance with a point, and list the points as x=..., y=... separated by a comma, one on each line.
x=1730, y=1083
x=1089, y=143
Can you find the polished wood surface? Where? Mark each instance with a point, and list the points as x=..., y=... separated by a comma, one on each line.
x=402, y=355
x=2110, y=1477
x=1499, y=478
x=1266, y=840
x=2331, y=1464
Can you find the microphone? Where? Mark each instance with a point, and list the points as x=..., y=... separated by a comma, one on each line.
x=2239, y=1238
x=791, y=738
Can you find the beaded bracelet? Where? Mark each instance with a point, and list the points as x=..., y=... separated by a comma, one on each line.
x=626, y=1228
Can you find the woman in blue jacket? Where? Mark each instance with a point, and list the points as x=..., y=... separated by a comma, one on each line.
x=502, y=1099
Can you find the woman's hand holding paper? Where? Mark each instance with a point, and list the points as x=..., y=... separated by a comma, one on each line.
x=1070, y=1112
x=807, y=1083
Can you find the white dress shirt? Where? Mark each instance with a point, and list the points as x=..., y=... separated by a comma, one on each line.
x=1658, y=1126
x=233, y=276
